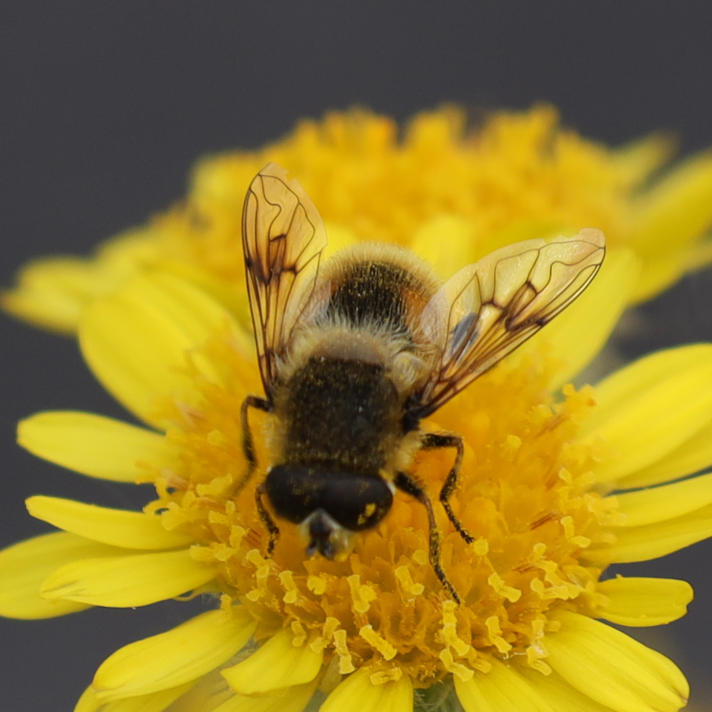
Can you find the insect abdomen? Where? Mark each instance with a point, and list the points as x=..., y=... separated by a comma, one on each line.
x=371, y=293
x=381, y=286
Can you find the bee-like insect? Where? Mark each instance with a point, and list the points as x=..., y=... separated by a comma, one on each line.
x=354, y=353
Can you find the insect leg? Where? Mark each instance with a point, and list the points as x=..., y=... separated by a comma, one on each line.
x=408, y=485
x=435, y=440
x=266, y=518
x=248, y=446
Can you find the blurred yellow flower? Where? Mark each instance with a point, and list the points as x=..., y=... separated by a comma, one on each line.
x=549, y=488
x=517, y=176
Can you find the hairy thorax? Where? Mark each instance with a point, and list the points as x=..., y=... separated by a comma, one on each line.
x=339, y=411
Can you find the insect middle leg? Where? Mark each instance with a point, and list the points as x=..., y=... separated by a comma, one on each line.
x=248, y=445
x=436, y=440
x=408, y=485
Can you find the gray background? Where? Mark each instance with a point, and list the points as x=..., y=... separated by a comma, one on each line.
x=104, y=106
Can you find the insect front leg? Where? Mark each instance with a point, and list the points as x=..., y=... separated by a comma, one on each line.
x=408, y=485
x=266, y=518
x=248, y=445
x=436, y=440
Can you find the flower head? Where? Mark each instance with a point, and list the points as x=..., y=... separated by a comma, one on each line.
x=549, y=490
x=516, y=176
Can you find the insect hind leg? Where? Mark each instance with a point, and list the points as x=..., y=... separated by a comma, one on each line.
x=408, y=485
x=432, y=441
x=248, y=444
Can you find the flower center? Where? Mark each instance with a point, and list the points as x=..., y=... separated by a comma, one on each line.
x=524, y=495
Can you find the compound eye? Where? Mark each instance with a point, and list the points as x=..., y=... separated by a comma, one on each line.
x=294, y=491
x=356, y=502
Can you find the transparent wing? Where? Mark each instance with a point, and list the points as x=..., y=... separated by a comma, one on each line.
x=488, y=309
x=282, y=237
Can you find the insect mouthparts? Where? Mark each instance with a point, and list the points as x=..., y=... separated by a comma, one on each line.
x=326, y=536
x=319, y=526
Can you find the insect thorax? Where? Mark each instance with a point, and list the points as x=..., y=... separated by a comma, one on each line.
x=339, y=412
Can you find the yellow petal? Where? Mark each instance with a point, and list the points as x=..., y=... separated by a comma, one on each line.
x=654, y=540
x=155, y=702
x=288, y=699
x=277, y=663
x=644, y=601
x=127, y=581
x=649, y=408
x=54, y=291
x=88, y=702
x=701, y=254
x=205, y=694
x=138, y=341
x=661, y=270
x=174, y=658
x=641, y=375
x=118, y=527
x=693, y=455
x=560, y=695
x=658, y=504
x=51, y=293
x=576, y=336
x=94, y=445
x=502, y=689
x=358, y=694
x=680, y=205
x=613, y=669
x=455, y=231
x=640, y=157
x=24, y=566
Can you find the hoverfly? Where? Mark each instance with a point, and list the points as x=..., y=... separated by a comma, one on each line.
x=355, y=352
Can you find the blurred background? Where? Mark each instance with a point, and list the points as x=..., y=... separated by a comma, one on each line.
x=105, y=106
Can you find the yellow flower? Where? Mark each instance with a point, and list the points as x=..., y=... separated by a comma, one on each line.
x=517, y=176
x=551, y=490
